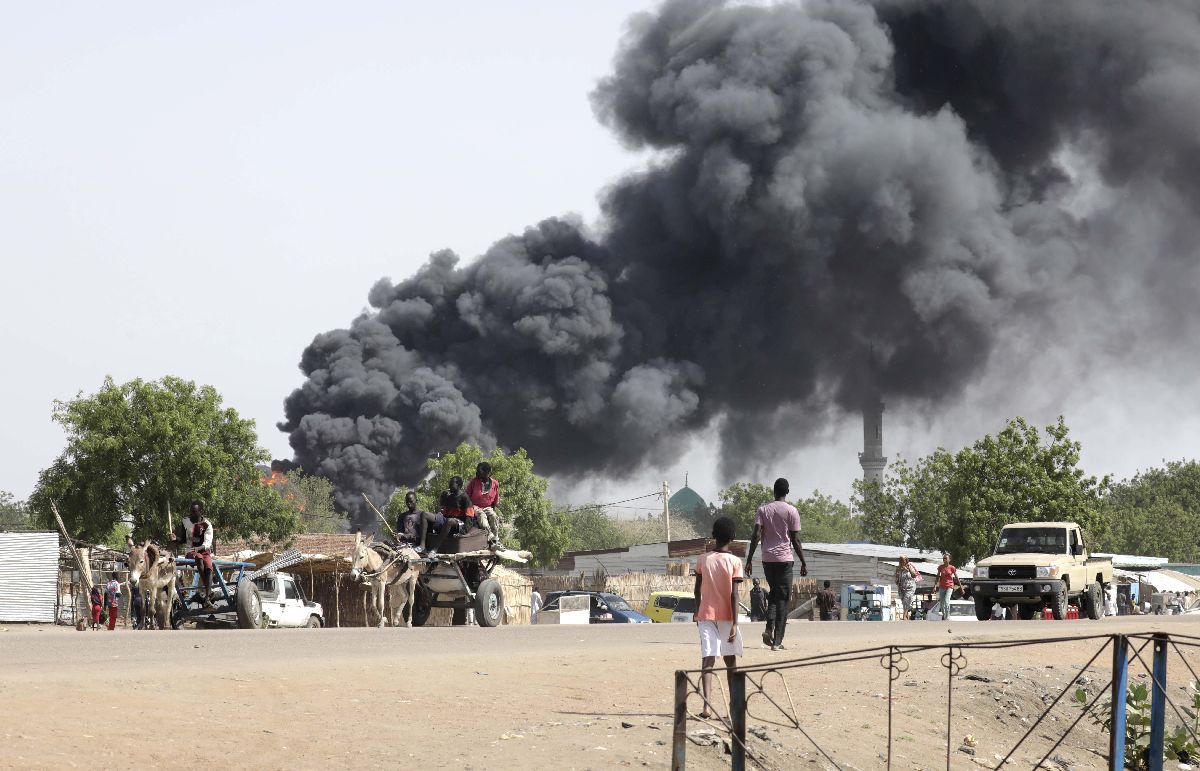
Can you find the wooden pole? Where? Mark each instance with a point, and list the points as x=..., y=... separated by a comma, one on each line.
x=666, y=494
x=379, y=514
x=170, y=524
x=85, y=571
x=337, y=598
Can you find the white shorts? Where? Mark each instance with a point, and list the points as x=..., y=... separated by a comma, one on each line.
x=714, y=639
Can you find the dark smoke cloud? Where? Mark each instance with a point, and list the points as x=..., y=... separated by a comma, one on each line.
x=848, y=198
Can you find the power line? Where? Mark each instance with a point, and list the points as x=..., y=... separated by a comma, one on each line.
x=613, y=504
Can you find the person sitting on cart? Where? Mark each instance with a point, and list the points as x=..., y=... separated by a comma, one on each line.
x=197, y=536
x=458, y=519
x=412, y=525
x=484, y=492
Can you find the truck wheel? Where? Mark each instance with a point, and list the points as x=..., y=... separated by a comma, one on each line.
x=1058, y=605
x=489, y=603
x=1025, y=611
x=1092, y=602
x=249, y=605
x=983, y=609
x=313, y=623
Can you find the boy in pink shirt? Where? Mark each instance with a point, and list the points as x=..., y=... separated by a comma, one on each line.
x=718, y=574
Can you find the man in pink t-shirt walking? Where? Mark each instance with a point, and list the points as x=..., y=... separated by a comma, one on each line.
x=777, y=525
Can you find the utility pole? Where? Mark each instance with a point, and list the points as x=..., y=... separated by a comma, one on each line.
x=666, y=493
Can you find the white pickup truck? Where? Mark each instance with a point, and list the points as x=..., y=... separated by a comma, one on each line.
x=284, y=603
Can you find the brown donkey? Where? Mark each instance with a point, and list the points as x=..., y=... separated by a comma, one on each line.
x=394, y=580
x=153, y=571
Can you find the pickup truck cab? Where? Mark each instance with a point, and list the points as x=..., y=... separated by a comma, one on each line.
x=1037, y=564
x=284, y=603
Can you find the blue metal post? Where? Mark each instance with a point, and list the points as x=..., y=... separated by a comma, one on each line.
x=1158, y=703
x=1120, y=681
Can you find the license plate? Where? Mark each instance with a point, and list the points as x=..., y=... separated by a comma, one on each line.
x=1010, y=588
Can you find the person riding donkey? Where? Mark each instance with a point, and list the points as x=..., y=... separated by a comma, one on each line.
x=196, y=532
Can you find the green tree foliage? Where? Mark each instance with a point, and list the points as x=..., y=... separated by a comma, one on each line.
x=137, y=448
x=313, y=498
x=958, y=502
x=14, y=514
x=824, y=519
x=592, y=528
x=1157, y=512
x=523, y=502
x=740, y=501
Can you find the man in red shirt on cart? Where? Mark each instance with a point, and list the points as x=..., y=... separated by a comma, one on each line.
x=484, y=492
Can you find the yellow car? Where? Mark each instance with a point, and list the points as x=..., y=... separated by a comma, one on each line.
x=665, y=607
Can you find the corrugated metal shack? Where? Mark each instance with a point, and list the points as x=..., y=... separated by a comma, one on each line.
x=28, y=576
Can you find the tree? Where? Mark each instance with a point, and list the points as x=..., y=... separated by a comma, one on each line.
x=313, y=498
x=592, y=529
x=136, y=449
x=1157, y=512
x=740, y=501
x=14, y=514
x=824, y=519
x=523, y=502
x=958, y=502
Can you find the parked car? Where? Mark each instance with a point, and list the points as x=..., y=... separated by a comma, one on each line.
x=284, y=603
x=960, y=610
x=668, y=606
x=665, y=607
x=607, y=608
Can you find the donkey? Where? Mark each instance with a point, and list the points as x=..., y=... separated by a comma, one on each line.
x=395, y=581
x=154, y=573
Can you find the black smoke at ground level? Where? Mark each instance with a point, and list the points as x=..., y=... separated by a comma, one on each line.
x=848, y=197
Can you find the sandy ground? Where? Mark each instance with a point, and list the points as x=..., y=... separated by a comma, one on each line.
x=521, y=697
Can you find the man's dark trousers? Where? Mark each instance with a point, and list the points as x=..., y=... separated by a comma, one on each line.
x=779, y=578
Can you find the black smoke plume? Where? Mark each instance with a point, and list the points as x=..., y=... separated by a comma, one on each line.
x=847, y=197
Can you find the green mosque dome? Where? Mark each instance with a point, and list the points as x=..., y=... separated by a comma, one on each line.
x=686, y=499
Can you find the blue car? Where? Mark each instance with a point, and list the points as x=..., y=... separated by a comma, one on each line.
x=607, y=608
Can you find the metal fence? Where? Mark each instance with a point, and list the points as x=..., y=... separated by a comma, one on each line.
x=1133, y=717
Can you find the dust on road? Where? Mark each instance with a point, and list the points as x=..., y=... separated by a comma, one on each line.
x=513, y=697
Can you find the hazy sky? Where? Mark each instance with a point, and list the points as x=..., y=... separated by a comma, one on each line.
x=197, y=190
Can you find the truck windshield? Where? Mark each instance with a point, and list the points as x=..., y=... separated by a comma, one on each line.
x=1036, y=540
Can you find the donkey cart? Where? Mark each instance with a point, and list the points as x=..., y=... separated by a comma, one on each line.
x=460, y=578
x=235, y=602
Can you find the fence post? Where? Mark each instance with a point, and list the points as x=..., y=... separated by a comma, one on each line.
x=1158, y=703
x=737, y=717
x=679, y=739
x=1120, y=679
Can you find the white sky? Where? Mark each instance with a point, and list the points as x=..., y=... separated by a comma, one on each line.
x=198, y=189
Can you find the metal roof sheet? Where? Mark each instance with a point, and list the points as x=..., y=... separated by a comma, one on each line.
x=1132, y=560
x=880, y=551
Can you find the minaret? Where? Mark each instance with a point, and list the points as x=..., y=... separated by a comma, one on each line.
x=872, y=459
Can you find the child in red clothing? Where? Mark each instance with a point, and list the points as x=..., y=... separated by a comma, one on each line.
x=718, y=574
x=97, y=598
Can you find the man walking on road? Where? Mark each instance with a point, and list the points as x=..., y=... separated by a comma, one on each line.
x=826, y=602
x=777, y=524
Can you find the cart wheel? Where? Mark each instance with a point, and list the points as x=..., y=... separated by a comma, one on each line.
x=176, y=614
x=489, y=603
x=420, y=612
x=249, y=605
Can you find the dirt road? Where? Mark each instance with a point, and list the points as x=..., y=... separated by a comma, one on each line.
x=513, y=697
